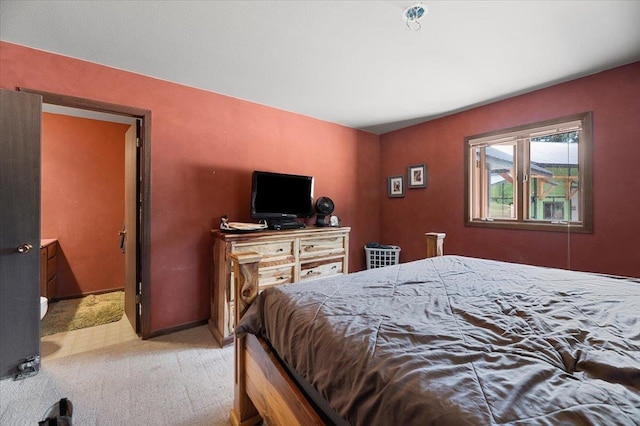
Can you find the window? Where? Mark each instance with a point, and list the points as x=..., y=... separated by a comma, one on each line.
x=536, y=176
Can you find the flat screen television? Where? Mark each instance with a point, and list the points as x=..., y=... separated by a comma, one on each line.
x=281, y=198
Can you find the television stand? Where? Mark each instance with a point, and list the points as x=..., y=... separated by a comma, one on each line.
x=277, y=225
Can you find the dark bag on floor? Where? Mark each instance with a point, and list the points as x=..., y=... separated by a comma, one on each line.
x=59, y=414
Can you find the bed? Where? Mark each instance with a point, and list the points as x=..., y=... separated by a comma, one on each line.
x=443, y=340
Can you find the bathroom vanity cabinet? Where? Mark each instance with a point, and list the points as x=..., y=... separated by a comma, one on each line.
x=48, y=259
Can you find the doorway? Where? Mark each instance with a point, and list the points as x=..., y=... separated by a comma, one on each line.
x=82, y=213
x=137, y=201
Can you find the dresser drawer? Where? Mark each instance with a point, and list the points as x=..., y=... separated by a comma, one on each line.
x=320, y=269
x=273, y=253
x=269, y=277
x=321, y=247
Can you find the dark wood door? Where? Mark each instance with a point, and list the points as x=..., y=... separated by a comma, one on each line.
x=20, y=118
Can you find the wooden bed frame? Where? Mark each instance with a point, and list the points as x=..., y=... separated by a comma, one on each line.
x=263, y=389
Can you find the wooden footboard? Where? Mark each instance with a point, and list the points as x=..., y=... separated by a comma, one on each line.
x=271, y=390
x=245, y=269
x=263, y=390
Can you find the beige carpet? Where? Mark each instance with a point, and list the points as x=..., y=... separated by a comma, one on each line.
x=181, y=379
x=88, y=311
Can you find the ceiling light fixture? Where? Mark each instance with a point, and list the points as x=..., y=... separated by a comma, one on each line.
x=413, y=14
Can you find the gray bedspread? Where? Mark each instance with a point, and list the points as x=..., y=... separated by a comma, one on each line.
x=461, y=341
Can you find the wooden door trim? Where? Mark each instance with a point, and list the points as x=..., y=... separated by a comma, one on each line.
x=145, y=187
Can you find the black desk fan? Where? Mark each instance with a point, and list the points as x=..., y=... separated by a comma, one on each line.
x=324, y=207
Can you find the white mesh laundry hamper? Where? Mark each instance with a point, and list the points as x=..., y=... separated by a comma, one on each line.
x=378, y=257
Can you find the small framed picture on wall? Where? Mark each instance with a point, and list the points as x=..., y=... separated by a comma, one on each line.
x=396, y=186
x=417, y=176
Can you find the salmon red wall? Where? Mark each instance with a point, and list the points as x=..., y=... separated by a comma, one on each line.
x=614, y=98
x=204, y=148
x=83, y=201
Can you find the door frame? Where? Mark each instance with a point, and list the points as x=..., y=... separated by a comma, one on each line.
x=143, y=240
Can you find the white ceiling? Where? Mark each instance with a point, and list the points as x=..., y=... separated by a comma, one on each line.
x=349, y=62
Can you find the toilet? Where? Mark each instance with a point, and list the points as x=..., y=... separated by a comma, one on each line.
x=44, y=305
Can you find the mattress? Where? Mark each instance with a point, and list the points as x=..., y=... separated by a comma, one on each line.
x=456, y=340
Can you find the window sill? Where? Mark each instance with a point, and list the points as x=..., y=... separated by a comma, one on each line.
x=530, y=225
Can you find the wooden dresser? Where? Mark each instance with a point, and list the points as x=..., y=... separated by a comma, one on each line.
x=287, y=257
x=48, y=251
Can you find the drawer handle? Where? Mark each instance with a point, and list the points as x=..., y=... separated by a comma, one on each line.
x=280, y=249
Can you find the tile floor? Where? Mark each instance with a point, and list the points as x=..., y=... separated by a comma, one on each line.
x=86, y=339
